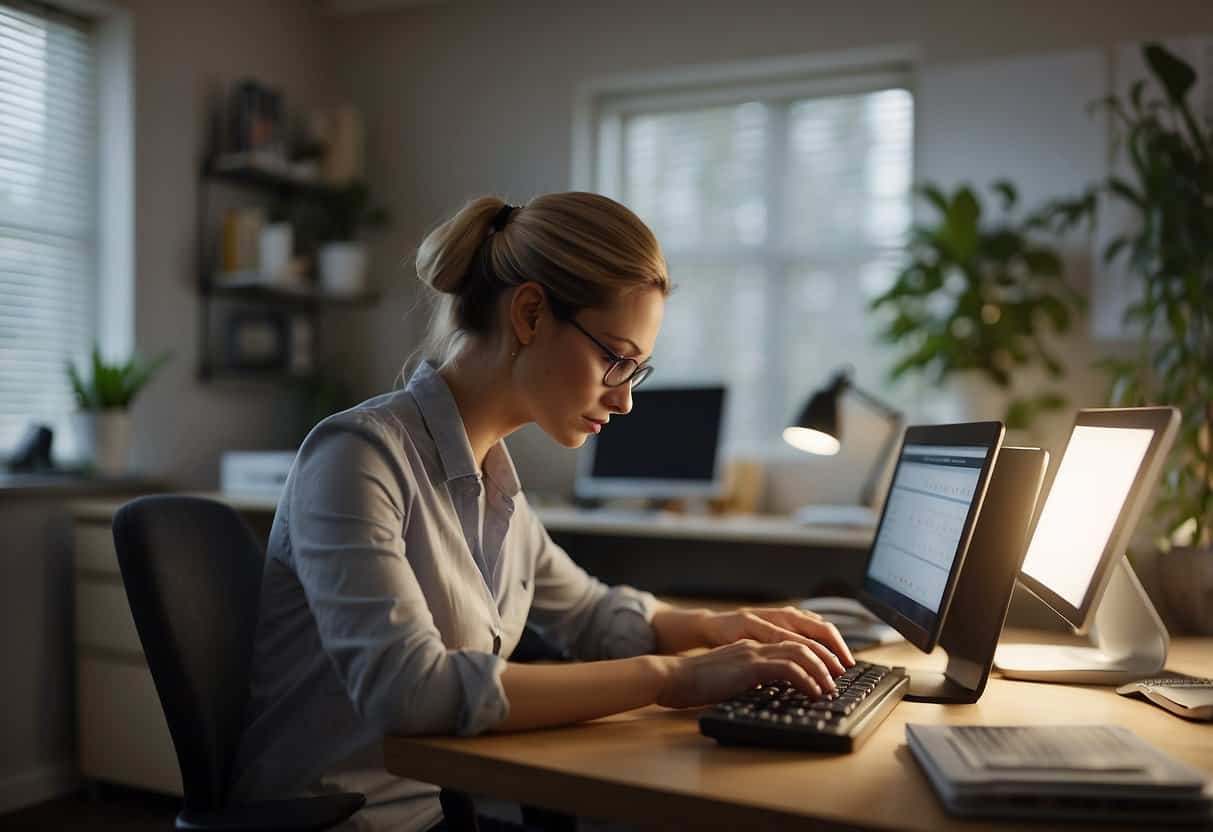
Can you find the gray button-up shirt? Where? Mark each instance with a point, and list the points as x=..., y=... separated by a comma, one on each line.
x=385, y=609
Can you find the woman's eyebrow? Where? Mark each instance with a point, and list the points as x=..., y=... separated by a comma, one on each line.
x=635, y=347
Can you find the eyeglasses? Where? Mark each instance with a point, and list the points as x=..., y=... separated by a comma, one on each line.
x=622, y=369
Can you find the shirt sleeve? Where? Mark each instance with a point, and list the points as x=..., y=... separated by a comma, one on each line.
x=349, y=503
x=595, y=621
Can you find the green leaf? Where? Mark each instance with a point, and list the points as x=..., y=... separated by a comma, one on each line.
x=112, y=385
x=1175, y=75
x=963, y=213
x=1007, y=191
x=1043, y=261
x=935, y=196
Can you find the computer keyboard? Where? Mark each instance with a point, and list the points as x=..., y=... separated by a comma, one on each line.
x=777, y=714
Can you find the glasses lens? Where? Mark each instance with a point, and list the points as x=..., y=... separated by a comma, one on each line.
x=639, y=378
x=620, y=372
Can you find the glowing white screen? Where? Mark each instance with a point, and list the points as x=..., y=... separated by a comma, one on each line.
x=1086, y=498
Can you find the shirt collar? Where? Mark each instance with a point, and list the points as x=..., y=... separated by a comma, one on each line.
x=441, y=415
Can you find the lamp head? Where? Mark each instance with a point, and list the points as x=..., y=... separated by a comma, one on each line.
x=816, y=428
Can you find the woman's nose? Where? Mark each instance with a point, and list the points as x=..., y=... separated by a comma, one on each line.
x=619, y=399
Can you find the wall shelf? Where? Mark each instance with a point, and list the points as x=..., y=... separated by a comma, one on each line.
x=300, y=306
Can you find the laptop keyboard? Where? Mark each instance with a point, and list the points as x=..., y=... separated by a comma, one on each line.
x=777, y=714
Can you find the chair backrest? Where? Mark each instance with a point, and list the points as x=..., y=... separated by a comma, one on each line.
x=192, y=571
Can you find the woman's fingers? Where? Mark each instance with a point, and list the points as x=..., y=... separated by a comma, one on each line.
x=788, y=671
x=806, y=658
x=773, y=633
x=813, y=626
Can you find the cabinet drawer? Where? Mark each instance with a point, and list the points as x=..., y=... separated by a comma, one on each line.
x=123, y=735
x=94, y=547
x=103, y=617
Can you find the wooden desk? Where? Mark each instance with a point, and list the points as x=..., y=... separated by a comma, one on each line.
x=651, y=768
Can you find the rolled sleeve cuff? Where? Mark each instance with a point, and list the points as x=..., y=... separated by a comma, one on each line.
x=484, y=702
x=628, y=613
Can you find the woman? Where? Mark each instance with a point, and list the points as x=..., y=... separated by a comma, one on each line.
x=404, y=560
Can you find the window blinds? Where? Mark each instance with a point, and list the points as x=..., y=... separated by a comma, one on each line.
x=781, y=216
x=48, y=175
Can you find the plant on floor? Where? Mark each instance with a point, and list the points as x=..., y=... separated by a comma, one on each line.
x=980, y=295
x=1169, y=248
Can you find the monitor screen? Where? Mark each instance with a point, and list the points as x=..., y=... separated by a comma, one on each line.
x=1092, y=483
x=667, y=446
x=926, y=525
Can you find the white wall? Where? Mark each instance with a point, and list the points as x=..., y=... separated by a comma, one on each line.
x=183, y=51
x=464, y=98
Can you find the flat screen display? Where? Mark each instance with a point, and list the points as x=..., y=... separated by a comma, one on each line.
x=1085, y=501
x=936, y=493
x=667, y=446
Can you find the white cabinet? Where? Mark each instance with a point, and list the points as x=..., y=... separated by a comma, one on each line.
x=122, y=735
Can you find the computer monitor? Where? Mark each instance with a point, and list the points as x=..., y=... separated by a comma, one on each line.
x=926, y=525
x=1075, y=561
x=667, y=447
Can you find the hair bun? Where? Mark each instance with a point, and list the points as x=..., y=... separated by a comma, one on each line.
x=445, y=257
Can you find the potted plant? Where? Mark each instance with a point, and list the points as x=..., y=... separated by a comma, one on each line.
x=977, y=298
x=1169, y=192
x=341, y=259
x=103, y=422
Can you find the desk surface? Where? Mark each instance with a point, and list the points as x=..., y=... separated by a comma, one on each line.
x=739, y=528
x=651, y=768
x=742, y=528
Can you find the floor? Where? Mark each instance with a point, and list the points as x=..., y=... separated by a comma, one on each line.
x=113, y=808
x=134, y=810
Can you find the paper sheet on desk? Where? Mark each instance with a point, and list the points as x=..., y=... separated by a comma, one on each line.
x=860, y=636
x=859, y=626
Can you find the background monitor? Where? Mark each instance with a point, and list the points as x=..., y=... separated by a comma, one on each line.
x=668, y=446
x=927, y=523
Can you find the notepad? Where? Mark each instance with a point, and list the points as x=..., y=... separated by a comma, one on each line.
x=1059, y=772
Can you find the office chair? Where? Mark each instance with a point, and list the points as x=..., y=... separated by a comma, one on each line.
x=192, y=571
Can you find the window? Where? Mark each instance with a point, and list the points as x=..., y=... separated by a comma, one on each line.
x=48, y=211
x=781, y=203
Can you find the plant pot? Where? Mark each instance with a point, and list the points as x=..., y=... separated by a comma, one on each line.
x=1185, y=576
x=342, y=268
x=105, y=439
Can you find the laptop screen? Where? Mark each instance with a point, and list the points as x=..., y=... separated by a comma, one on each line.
x=925, y=528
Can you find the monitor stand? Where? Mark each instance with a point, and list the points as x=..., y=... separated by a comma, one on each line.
x=987, y=579
x=1128, y=641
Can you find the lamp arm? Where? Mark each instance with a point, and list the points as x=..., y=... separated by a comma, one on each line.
x=867, y=496
x=875, y=403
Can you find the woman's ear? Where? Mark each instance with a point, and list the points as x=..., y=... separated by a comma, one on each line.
x=526, y=307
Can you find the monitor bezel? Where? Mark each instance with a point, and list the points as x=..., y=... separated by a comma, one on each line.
x=1164, y=422
x=587, y=485
x=979, y=434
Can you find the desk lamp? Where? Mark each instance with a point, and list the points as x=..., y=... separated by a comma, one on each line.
x=817, y=431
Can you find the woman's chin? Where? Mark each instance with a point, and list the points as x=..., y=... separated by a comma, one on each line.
x=569, y=438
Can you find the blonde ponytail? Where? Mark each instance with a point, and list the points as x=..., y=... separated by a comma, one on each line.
x=584, y=249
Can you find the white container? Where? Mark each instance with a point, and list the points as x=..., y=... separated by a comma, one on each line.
x=105, y=439
x=342, y=268
x=274, y=245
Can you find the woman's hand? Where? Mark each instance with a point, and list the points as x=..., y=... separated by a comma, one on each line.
x=725, y=672
x=681, y=629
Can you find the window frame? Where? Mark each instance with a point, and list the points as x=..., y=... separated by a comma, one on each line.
x=604, y=105
x=112, y=294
